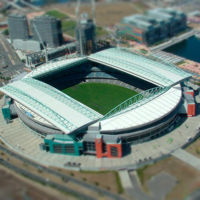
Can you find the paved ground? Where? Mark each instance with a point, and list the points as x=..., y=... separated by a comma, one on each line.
x=26, y=142
x=125, y=179
x=136, y=191
x=194, y=196
x=187, y=158
x=15, y=187
x=158, y=187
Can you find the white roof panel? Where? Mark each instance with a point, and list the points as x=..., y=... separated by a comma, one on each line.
x=153, y=71
x=54, y=66
x=147, y=113
x=57, y=108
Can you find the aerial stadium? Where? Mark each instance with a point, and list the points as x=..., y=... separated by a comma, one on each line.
x=146, y=97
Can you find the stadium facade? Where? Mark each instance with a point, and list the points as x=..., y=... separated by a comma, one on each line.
x=72, y=128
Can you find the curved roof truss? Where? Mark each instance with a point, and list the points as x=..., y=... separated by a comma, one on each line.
x=41, y=109
x=67, y=100
x=136, y=101
x=57, y=108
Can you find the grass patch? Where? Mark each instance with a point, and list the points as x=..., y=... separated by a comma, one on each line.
x=5, y=32
x=119, y=185
x=57, y=14
x=1, y=95
x=68, y=27
x=101, y=97
x=100, y=32
x=180, y=62
x=140, y=173
x=144, y=51
x=198, y=150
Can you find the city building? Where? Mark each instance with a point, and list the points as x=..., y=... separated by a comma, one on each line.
x=85, y=35
x=156, y=25
x=48, y=29
x=176, y=20
x=18, y=27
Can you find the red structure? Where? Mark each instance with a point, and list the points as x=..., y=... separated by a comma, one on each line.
x=191, y=110
x=114, y=150
x=190, y=102
x=107, y=150
x=191, y=92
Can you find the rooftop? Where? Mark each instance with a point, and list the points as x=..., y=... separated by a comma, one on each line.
x=144, y=114
x=158, y=73
x=56, y=107
x=55, y=66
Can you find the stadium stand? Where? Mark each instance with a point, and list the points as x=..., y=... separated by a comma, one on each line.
x=72, y=128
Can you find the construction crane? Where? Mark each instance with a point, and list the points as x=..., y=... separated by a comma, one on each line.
x=113, y=34
x=44, y=47
x=93, y=11
x=78, y=10
x=78, y=23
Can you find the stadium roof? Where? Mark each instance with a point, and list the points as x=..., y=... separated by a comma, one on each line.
x=156, y=72
x=55, y=66
x=136, y=116
x=59, y=109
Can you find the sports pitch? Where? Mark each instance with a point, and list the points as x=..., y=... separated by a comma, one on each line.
x=101, y=97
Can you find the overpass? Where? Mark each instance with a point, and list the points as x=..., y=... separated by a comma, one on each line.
x=174, y=40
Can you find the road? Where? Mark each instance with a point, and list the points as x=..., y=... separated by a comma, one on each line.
x=14, y=5
x=174, y=40
x=187, y=158
x=79, y=183
x=44, y=181
x=8, y=55
x=136, y=191
x=29, y=5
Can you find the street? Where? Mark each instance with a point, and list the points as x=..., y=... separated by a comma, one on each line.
x=10, y=64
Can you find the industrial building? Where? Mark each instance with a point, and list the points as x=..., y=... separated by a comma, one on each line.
x=37, y=100
x=18, y=27
x=48, y=29
x=154, y=26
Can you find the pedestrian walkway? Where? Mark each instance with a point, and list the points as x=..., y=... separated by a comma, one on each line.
x=23, y=140
x=187, y=158
x=125, y=179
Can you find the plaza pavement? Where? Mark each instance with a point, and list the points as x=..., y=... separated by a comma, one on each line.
x=26, y=142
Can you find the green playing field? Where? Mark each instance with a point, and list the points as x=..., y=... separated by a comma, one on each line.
x=101, y=97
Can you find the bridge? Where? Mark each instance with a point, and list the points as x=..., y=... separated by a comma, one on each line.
x=174, y=40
